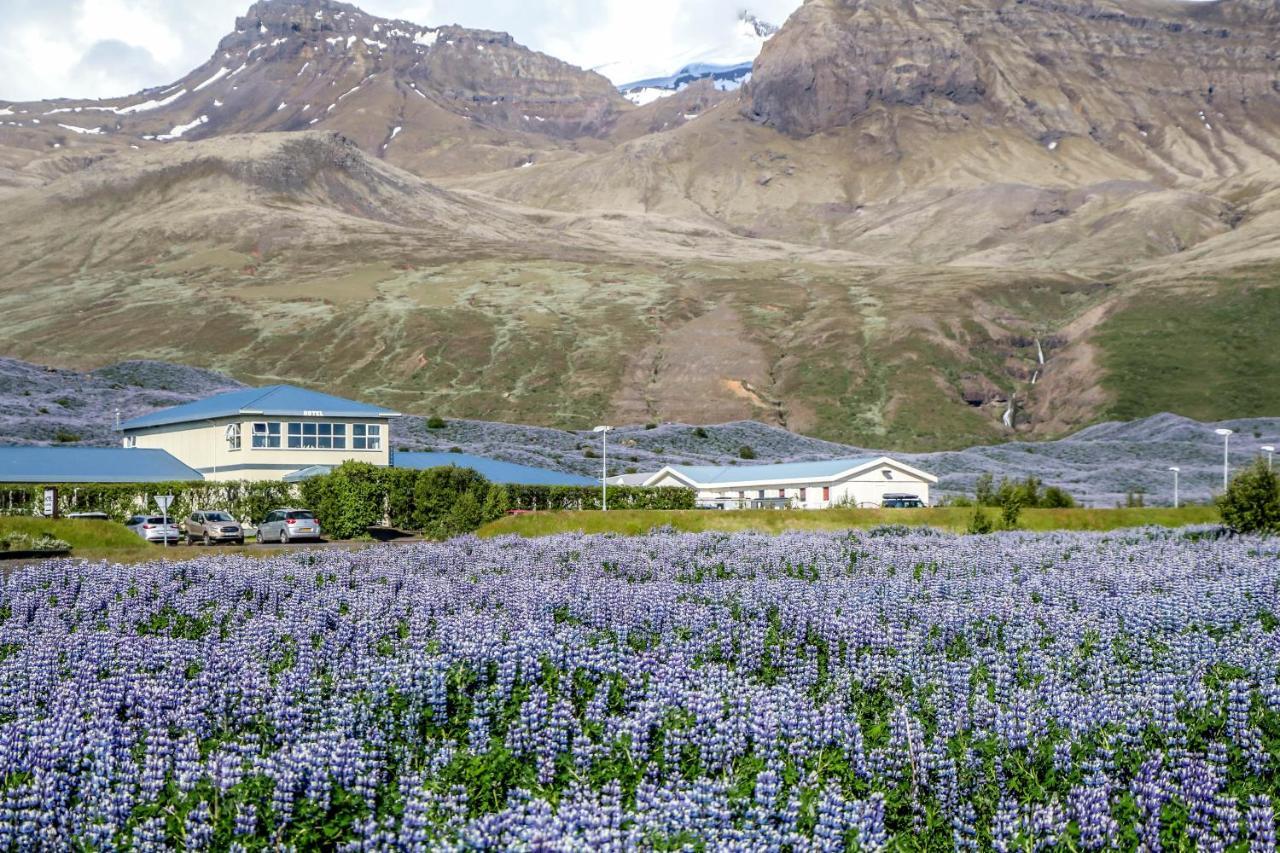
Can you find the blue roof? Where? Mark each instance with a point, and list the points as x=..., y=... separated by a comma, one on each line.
x=273, y=400
x=823, y=469
x=91, y=465
x=507, y=473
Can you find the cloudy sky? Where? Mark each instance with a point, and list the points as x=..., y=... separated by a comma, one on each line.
x=101, y=48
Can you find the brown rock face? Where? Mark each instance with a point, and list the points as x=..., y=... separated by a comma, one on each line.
x=1052, y=68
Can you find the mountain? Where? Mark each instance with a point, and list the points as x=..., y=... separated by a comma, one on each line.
x=432, y=98
x=726, y=65
x=919, y=225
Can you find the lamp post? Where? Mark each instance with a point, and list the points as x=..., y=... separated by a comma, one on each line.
x=1270, y=450
x=604, y=466
x=1176, y=470
x=1226, y=456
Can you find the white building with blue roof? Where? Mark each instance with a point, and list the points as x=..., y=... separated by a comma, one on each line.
x=265, y=433
x=873, y=481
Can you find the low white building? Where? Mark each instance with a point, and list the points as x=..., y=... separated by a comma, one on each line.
x=867, y=482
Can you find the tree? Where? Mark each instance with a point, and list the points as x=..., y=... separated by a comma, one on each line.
x=1251, y=503
x=1010, y=512
x=980, y=523
x=1057, y=498
x=985, y=492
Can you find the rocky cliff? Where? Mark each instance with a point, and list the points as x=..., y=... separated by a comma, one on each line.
x=1155, y=78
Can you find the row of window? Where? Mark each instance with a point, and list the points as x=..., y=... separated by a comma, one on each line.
x=310, y=435
x=782, y=493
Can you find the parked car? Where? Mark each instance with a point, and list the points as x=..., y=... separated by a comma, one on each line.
x=153, y=528
x=902, y=502
x=210, y=526
x=285, y=525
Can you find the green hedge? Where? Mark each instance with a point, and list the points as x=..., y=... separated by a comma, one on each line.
x=447, y=501
x=588, y=497
x=440, y=502
x=244, y=500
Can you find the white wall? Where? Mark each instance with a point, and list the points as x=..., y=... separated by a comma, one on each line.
x=867, y=489
x=203, y=446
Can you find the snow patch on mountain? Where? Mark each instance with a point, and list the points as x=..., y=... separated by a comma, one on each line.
x=727, y=63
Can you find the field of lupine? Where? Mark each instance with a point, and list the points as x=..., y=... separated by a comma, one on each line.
x=891, y=688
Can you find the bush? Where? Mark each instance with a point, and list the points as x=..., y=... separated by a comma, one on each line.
x=1010, y=512
x=1057, y=498
x=436, y=422
x=26, y=542
x=349, y=500
x=746, y=452
x=699, y=432
x=1251, y=503
x=980, y=523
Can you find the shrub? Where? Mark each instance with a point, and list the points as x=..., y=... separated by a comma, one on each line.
x=1010, y=512
x=1057, y=498
x=699, y=432
x=746, y=452
x=980, y=523
x=349, y=500
x=985, y=492
x=436, y=422
x=1251, y=503
x=64, y=437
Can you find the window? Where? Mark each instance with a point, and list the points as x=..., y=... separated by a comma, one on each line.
x=761, y=494
x=131, y=441
x=366, y=436
x=826, y=494
x=266, y=435
x=782, y=493
x=803, y=495
x=233, y=437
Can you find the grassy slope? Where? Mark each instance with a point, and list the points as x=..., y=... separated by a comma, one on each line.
x=1205, y=356
x=639, y=522
x=88, y=538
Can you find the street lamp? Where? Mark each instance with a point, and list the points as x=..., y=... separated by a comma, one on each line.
x=1176, y=470
x=1270, y=450
x=1226, y=455
x=604, y=466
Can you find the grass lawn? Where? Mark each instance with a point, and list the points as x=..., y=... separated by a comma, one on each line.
x=107, y=540
x=637, y=522
x=90, y=539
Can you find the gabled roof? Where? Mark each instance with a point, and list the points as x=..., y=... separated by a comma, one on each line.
x=493, y=470
x=273, y=400
x=91, y=465
x=746, y=476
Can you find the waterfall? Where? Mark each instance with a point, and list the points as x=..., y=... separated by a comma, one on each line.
x=1039, y=352
x=1008, y=415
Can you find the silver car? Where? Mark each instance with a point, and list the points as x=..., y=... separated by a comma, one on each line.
x=153, y=528
x=286, y=525
x=210, y=526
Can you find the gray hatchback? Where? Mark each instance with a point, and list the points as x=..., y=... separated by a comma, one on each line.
x=285, y=525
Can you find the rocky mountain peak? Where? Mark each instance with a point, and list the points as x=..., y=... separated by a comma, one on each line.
x=1128, y=68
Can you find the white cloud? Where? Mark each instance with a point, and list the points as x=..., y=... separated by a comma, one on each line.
x=53, y=48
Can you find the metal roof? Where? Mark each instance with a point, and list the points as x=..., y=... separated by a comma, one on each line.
x=826, y=469
x=91, y=465
x=307, y=473
x=273, y=400
x=493, y=470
